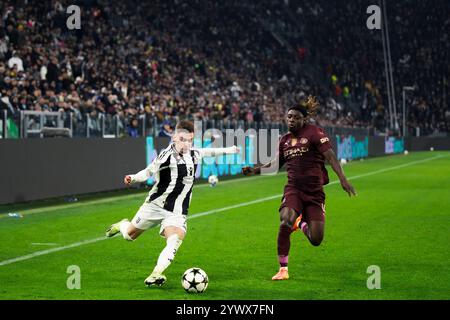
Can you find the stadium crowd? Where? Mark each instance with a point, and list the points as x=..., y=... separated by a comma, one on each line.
x=351, y=56
x=227, y=61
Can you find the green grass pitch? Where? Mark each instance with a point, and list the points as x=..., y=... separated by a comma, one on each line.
x=400, y=221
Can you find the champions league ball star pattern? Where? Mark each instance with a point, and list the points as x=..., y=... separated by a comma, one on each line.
x=194, y=280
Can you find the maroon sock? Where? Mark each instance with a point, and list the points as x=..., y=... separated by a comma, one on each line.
x=284, y=244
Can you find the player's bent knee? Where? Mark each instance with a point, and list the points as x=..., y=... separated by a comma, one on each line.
x=181, y=234
x=286, y=224
x=316, y=232
x=169, y=231
x=316, y=240
x=287, y=217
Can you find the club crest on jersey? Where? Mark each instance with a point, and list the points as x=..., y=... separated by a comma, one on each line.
x=303, y=141
x=323, y=140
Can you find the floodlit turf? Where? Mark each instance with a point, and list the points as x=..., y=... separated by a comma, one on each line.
x=400, y=221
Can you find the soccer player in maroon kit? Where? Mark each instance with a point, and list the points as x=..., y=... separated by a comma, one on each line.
x=304, y=150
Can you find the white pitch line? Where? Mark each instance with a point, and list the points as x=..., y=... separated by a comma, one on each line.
x=44, y=252
x=115, y=198
x=193, y=216
x=329, y=184
x=395, y=167
x=131, y=196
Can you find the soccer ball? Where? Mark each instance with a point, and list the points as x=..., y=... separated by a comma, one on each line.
x=343, y=161
x=213, y=180
x=194, y=280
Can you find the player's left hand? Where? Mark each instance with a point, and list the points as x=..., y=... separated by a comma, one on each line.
x=247, y=171
x=348, y=188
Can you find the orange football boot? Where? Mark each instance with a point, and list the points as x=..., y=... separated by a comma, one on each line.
x=282, y=274
x=297, y=223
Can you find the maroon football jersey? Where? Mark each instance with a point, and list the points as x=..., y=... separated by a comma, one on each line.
x=305, y=163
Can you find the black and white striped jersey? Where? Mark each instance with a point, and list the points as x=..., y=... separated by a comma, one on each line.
x=174, y=175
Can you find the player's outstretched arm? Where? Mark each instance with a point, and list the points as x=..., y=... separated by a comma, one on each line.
x=141, y=176
x=270, y=167
x=249, y=171
x=330, y=156
x=211, y=152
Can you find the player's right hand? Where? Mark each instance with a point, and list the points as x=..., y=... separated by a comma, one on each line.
x=127, y=180
x=247, y=171
x=348, y=188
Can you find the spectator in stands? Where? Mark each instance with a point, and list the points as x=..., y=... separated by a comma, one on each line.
x=133, y=128
x=230, y=60
x=166, y=130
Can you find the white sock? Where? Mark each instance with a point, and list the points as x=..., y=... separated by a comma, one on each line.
x=168, y=253
x=123, y=227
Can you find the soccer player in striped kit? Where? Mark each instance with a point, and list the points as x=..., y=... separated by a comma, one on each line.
x=168, y=201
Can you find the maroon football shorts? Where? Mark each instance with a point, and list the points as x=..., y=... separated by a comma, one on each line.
x=310, y=204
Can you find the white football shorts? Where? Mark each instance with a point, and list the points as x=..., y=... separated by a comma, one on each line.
x=150, y=215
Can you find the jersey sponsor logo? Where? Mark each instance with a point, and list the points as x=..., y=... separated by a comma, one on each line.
x=303, y=141
x=291, y=153
x=323, y=140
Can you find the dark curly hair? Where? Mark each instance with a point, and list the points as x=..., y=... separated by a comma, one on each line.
x=308, y=107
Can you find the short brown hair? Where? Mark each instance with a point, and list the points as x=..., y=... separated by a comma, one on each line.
x=185, y=125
